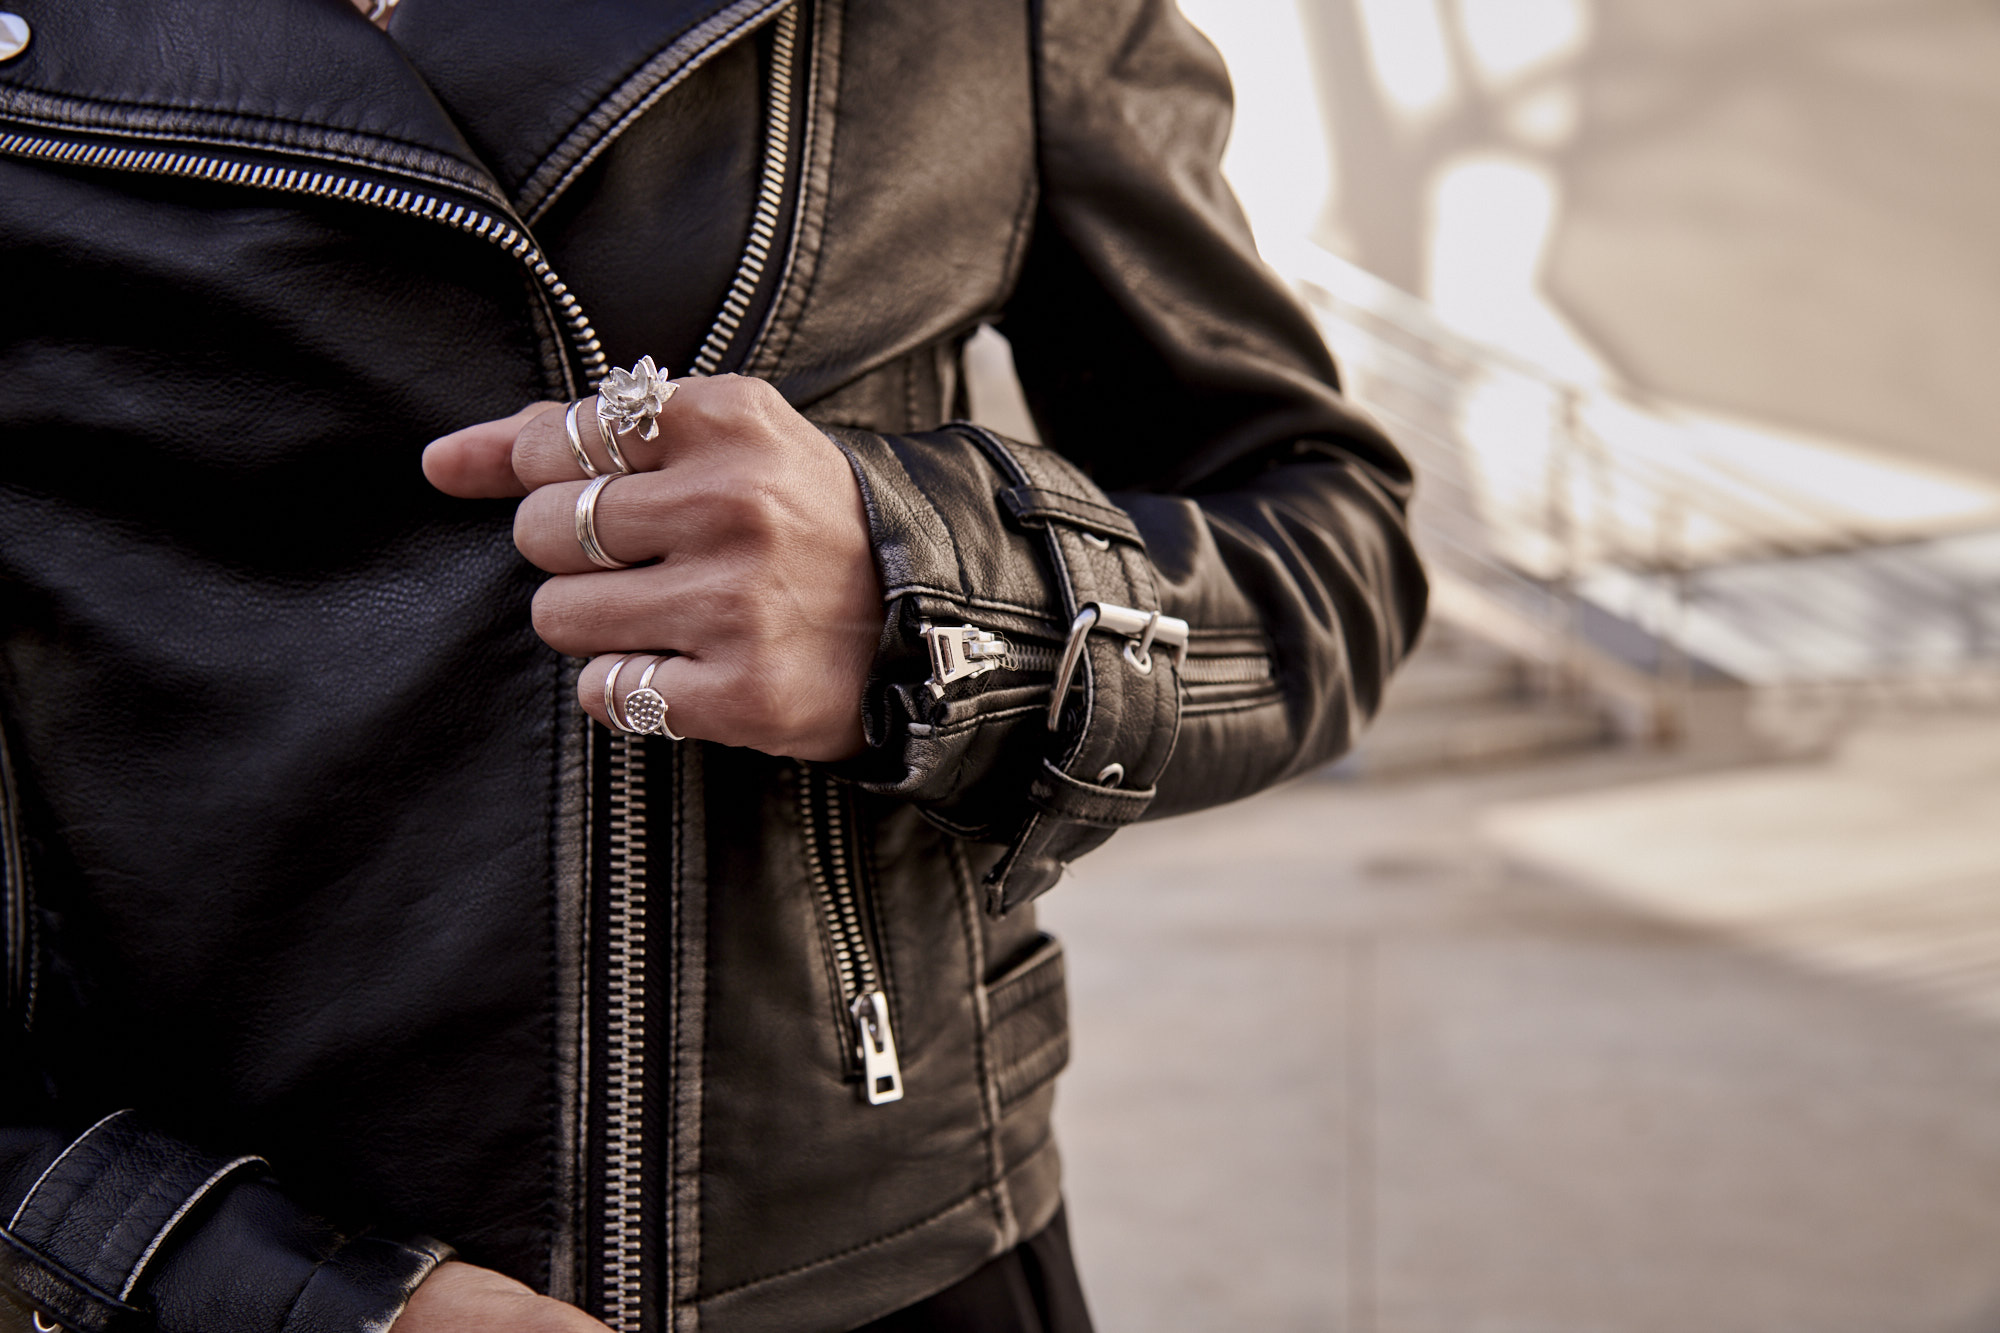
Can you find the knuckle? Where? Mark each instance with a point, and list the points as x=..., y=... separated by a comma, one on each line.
x=534, y=518
x=559, y=615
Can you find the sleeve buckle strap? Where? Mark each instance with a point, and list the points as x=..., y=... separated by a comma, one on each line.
x=1141, y=629
x=79, y=1243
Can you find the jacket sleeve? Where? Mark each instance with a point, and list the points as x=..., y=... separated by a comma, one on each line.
x=1199, y=460
x=123, y=1228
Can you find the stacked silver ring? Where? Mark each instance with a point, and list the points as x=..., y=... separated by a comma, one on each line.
x=645, y=709
x=586, y=522
x=618, y=464
x=627, y=400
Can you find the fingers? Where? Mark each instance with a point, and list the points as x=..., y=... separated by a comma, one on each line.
x=532, y=448
x=643, y=517
x=477, y=463
x=459, y=1298
x=678, y=682
x=544, y=453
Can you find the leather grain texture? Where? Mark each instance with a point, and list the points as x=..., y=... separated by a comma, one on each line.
x=316, y=861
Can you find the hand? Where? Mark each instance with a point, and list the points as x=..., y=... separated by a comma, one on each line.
x=458, y=1298
x=764, y=585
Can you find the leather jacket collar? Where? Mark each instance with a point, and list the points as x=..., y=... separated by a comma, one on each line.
x=507, y=99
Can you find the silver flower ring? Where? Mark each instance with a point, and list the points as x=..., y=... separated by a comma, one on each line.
x=630, y=400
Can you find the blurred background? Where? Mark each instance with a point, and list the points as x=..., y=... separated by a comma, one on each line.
x=1640, y=973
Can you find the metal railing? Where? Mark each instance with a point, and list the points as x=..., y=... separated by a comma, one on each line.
x=1532, y=535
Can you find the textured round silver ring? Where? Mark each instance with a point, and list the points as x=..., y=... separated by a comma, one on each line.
x=576, y=440
x=646, y=707
x=611, y=694
x=586, y=522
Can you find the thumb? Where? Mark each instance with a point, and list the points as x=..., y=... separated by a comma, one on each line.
x=477, y=462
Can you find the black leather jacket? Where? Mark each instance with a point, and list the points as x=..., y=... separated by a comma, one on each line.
x=310, y=856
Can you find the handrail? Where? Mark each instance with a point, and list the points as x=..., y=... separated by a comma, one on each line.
x=1583, y=507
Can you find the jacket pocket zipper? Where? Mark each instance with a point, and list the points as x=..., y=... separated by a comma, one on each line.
x=833, y=865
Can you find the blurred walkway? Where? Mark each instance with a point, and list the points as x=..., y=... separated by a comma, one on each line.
x=1618, y=1044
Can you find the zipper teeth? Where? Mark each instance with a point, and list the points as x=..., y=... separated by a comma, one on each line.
x=327, y=185
x=770, y=196
x=835, y=887
x=844, y=893
x=626, y=986
x=1242, y=670
x=626, y=1075
x=1030, y=656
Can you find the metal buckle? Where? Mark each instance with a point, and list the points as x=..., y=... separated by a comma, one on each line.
x=960, y=651
x=1142, y=628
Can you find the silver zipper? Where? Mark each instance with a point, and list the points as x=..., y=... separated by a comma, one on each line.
x=626, y=985
x=770, y=196
x=959, y=652
x=624, y=1198
x=1236, y=669
x=862, y=998
x=625, y=992
x=503, y=231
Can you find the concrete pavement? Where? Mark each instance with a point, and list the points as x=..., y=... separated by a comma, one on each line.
x=1599, y=1046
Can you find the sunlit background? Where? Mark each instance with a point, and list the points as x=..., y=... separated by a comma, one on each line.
x=1642, y=969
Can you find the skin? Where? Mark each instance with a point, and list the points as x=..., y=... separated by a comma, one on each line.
x=754, y=569
x=754, y=564
x=460, y=1298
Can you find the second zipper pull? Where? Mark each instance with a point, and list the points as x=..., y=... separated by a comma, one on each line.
x=881, y=1073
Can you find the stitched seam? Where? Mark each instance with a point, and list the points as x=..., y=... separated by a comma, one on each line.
x=1198, y=709
x=852, y=1250
x=1019, y=995
x=113, y=129
x=958, y=728
x=407, y=174
x=14, y=1222
x=201, y=1190
x=982, y=1022
x=1033, y=1078
x=967, y=599
x=252, y=117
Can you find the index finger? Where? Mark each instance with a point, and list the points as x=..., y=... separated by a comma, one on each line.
x=545, y=454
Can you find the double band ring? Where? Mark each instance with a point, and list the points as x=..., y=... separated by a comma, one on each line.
x=590, y=469
x=645, y=710
x=586, y=522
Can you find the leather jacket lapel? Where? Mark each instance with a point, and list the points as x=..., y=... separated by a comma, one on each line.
x=538, y=88
x=305, y=76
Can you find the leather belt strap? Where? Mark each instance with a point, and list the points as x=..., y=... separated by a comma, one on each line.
x=1107, y=754
x=80, y=1241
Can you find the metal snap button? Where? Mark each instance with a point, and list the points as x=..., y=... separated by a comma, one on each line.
x=14, y=34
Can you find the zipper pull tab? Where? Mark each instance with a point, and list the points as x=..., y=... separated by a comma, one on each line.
x=881, y=1075
x=958, y=651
